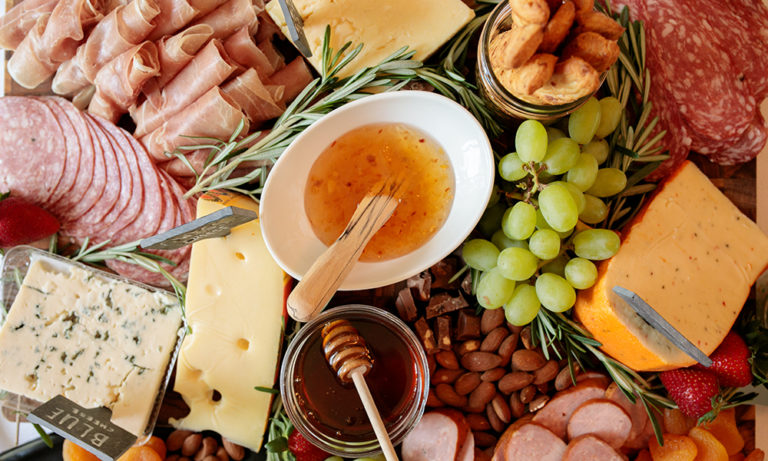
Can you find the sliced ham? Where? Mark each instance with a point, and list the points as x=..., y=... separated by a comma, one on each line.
x=230, y=16
x=123, y=28
x=267, y=28
x=294, y=77
x=213, y=115
x=439, y=435
x=19, y=20
x=275, y=58
x=641, y=425
x=590, y=448
x=176, y=51
x=243, y=50
x=530, y=442
x=602, y=418
x=255, y=100
x=118, y=83
x=209, y=68
x=174, y=15
x=556, y=413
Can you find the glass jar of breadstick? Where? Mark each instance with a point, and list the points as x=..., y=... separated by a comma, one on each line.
x=542, y=59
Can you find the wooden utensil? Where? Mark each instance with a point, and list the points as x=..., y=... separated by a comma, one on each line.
x=324, y=277
x=346, y=352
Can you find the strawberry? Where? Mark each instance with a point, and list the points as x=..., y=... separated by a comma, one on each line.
x=692, y=390
x=23, y=222
x=730, y=362
x=303, y=450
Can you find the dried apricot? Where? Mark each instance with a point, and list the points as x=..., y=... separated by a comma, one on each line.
x=709, y=448
x=756, y=455
x=643, y=455
x=675, y=422
x=676, y=448
x=157, y=444
x=724, y=429
x=72, y=452
x=142, y=453
x=737, y=457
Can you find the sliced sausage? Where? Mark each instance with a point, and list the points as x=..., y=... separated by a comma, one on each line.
x=530, y=442
x=439, y=435
x=590, y=448
x=642, y=430
x=555, y=414
x=602, y=418
x=467, y=452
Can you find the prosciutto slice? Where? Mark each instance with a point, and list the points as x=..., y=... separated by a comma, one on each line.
x=244, y=51
x=177, y=51
x=20, y=19
x=119, y=82
x=214, y=114
x=229, y=17
x=209, y=68
x=123, y=28
x=294, y=77
x=53, y=40
x=174, y=14
x=253, y=97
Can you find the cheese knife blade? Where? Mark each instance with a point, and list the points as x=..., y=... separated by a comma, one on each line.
x=217, y=224
x=295, y=27
x=649, y=314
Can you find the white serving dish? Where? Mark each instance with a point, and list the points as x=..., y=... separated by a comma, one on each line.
x=287, y=230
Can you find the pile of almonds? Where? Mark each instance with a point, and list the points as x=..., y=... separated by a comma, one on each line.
x=188, y=446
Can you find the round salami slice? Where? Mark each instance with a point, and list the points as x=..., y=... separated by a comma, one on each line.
x=95, y=190
x=752, y=52
x=71, y=155
x=32, y=149
x=746, y=148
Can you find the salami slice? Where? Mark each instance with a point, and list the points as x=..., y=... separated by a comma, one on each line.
x=30, y=128
x=745, y=148
x=752, y=32
x=71, y=155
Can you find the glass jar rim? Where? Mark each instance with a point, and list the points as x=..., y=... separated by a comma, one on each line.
x=288, y=370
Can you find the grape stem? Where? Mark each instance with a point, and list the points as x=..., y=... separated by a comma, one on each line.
x=532, y=185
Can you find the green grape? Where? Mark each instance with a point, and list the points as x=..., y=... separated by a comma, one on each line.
x=531, y=141
x=338, y=458
x=595, y=210
x=583, y=122
x=523, y=306
x=562, y=155
x=491, y=219
x=554, y=133
x=511, y=168
x=480, y=254
x=554, y=292
x=610, y=115
x=517, y=263
x=544, y=244
x=502, y=241
x=556, y=266
x=576, y=195
x=379, y=457
x=581, y=273
x=599, y=148
x=495, y=197
x=542, y=223
x=493, y=289
x=558, y=207
x=596, y=244
x=609, y=181
x=583, y=174
x=519, y=221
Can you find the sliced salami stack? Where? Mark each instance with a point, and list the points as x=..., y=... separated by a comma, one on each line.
x=709, y=72
x=94, y=177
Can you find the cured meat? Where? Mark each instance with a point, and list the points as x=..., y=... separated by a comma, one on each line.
x=751, y=54
x=602, y=418
x=439, y=435
x=176, y=51
x=209, y=68
x=213, y=115
x=267, y=28
x=642, y=429
x=255, y=100
x=24, y=66
x=123, y=28
x=244, y=51
x=230, y=16
x=590, y=448
x=20, y=19
x=274, y=57
x=174, y=15
x=529, y=441
x=294, y=77
x=747, y=147
x=556, y=413
x=118, y=83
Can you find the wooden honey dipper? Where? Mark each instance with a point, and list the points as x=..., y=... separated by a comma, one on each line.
x=346, y=352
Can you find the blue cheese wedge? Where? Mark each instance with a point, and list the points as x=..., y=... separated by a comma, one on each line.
x=93, y=339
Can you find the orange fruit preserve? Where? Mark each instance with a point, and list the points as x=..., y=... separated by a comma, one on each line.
x=347, y=169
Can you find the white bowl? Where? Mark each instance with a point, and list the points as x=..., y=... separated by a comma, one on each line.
x=286, y=228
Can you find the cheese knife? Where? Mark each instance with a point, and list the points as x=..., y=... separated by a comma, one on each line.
x=649, y=314
x=217, y=224
x=295, y=27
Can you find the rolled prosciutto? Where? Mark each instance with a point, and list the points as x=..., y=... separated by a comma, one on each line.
x=119, y=82
x=214, y=115
x=229, y=17
x=294, y=77
x=174, y=14
x=177, y=51
x=253, y=97
x=19, y=20
x=209, y=68
x=24, y=66
x=244, y=51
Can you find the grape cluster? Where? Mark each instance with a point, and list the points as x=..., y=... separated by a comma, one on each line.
x=542, y=247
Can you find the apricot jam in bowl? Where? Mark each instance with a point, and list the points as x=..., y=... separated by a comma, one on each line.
x=436, y=146
x=329, y=413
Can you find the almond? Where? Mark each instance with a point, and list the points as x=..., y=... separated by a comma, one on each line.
x=447, y=359
x=191, y=444
x=176, y=439
x=516, y=406
x=469, y=345
x=480, y=361
x=514, y=381
x=221, y=454
x=546, y=373
x=482, y=395
x=443, y=376
x=563, y=379
x=235, y=451
x=467, y=383
x=477, y=422
x=525, y=337
x=496, y=423
x=433, y=401
x=493, y=374
x=208, y=448
x=491, y=319
x=507, y=348
x=449, y=396
x=527, y=360
x=484, y=439
x=493, y=340
x=527, y=393
x=500, y=406
x=538, y=403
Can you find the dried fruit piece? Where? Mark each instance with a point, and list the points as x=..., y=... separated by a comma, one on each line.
x=707, y=446
x=142, y=453
x=73, y=452
x=676, y=448
x=723, y=427
x=675, y=422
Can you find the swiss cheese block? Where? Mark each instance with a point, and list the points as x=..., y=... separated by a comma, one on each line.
x=95, y=340
x=693, y=256
x=381, y=27
x=234, y=308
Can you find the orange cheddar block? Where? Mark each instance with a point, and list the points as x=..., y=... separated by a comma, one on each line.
x=693, y=256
